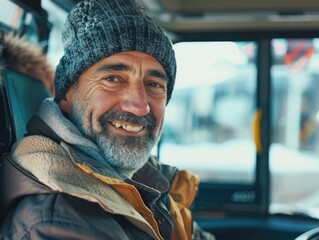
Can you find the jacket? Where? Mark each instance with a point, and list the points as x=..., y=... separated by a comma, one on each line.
x=74, y=202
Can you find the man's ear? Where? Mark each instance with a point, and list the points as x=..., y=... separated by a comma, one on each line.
x=66, y=102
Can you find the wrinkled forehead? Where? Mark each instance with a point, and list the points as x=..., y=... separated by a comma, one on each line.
x=130, y=61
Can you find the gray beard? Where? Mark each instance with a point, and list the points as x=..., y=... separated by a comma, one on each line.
x=126, y=154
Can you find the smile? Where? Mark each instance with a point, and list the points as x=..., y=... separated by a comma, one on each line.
x=128, y=127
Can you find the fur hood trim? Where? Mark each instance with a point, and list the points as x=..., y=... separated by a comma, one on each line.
x=27, y=58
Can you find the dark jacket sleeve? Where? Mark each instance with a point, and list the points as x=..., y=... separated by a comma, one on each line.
x=53, y=231
x=56, y=216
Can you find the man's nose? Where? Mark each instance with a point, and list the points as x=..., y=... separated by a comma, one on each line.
x=135, y=101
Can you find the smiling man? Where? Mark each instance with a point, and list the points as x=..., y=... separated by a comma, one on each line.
x=85, y=166
x=119, y=104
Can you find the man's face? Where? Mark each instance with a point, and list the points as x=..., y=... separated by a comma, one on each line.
x=119, y=104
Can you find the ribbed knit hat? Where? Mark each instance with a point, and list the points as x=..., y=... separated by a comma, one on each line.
x=96, y=29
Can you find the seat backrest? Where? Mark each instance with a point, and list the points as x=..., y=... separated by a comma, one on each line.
x=20, y=98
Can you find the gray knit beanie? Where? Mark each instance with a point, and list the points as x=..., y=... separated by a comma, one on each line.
x=96, y=29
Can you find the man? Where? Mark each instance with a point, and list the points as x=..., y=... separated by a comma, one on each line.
x=88, y=151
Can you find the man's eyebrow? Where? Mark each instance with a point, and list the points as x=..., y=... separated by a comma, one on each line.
x=112, y=67
x=124, y=67
x=158, y=74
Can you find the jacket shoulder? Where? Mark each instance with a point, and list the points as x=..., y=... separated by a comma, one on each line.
x=35, y=144
x=60, y=216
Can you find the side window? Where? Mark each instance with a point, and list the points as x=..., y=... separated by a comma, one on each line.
x=11, y=15
x=208, y=122
x=27, y=19
x=294, y=149
x=210, y=126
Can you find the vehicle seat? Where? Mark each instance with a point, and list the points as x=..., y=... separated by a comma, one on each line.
x=20, y=98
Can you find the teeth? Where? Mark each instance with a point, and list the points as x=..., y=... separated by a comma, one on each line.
x=129, y=128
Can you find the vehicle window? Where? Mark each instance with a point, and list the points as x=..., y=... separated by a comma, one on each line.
x=57, y=18
x=11, y=14
x=208, y=120
x=294, y=161
x=208, y=125
x=14, y=18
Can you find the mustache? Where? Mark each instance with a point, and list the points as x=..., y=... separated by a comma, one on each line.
x=148, y=121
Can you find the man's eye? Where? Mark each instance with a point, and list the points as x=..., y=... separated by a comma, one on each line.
x=156, y=87
x=111, y=79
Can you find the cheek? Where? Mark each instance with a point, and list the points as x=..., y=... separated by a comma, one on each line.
x=104, y=101
x=158, y=111
x=99, y=104
x=93, y=110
